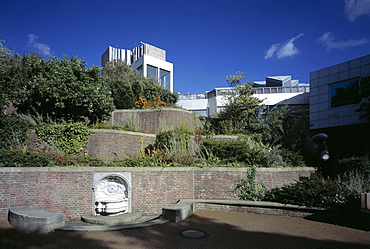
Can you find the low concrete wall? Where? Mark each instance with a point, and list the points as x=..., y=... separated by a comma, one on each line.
x=156, y=120
x=68, y=190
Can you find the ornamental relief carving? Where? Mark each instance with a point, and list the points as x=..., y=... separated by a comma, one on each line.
x=111, y=196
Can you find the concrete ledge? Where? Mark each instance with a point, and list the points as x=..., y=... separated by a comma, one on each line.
x=145, y=221
x=112, y=220
x=28, y=219
x=179, y=211
x=262, y=204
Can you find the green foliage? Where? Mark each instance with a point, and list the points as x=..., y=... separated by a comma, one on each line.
x=174, y=140
x=361, y=164
x=13, y=132
x=365, y=95
x=69, y=138
x=22, y=159
x=240, y=113
x=342, y=188
x=105, y=126
x=60, y=90
x=249, y=189
x=314, y=191
x=9, y=65
x=128, y=86
x=230, y=151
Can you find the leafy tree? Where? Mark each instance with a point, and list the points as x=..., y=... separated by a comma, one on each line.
x=241, y=111
x=128, y=86
x=8, y=61
x=125, y=84
x=59, y=89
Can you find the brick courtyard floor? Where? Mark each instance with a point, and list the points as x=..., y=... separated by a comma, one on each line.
x=224, y=230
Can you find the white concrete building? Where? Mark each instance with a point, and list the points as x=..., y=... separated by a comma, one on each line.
x=276, y=90
x=147, y=59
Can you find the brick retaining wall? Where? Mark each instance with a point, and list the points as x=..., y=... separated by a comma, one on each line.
x=109, y=144
x=156, y=120
x=69, y=189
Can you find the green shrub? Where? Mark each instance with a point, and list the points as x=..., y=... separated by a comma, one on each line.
x=313, y=191
x=357, y=163
x=22, y=159
x=249, y=189
x=13, y=132
x=232, y=151
x=106, y=127
x=69, y=138
x=132, y=162
x=173, y=141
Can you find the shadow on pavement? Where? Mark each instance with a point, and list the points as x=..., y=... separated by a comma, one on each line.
x=355, y=220
x=221, y=235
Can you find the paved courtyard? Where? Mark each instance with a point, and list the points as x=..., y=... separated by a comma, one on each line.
x=221, y=230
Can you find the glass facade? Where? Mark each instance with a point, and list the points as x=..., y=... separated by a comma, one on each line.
x=164, y=78
x=152, y=71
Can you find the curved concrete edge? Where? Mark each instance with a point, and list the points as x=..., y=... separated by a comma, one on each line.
x=265, y=204
x=112, y=220
x=96, y=228
x=28, y=219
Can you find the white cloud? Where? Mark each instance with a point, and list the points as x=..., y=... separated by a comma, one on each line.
x=283, y=50
x=328, y=40
x=355, y=8
x=40, y=47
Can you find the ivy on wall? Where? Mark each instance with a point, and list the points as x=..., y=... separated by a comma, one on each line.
x=69, y=138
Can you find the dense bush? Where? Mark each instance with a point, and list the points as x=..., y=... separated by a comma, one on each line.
x=69, y=138
x=13, y=132
x=357, y=163
x=249, y=189
x=322, y=192
x=22, y=159
x=314, y=191
x=173, y=140
x=231, y=151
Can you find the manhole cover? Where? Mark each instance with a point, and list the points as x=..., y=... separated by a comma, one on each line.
x=194, y=234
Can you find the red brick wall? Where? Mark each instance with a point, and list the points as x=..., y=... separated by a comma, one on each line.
x=65, y=192
x=69, y=190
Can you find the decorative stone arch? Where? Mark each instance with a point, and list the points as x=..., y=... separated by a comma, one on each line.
x=112, y=193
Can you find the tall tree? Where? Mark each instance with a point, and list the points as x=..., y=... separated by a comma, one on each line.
x=61, y=89
x=241, y=111
x=9, y=66
x=128, y=85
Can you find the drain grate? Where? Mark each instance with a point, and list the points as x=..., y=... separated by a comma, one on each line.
x=194, y=234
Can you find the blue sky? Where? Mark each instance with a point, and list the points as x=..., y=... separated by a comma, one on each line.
x=205, y=40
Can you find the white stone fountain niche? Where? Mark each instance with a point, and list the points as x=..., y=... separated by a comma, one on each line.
x=112, y=193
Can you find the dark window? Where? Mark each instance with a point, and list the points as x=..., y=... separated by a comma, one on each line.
x=345, y=93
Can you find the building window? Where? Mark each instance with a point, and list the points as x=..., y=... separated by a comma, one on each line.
x=164, y=78
x=152, y=71
x=345, y=93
